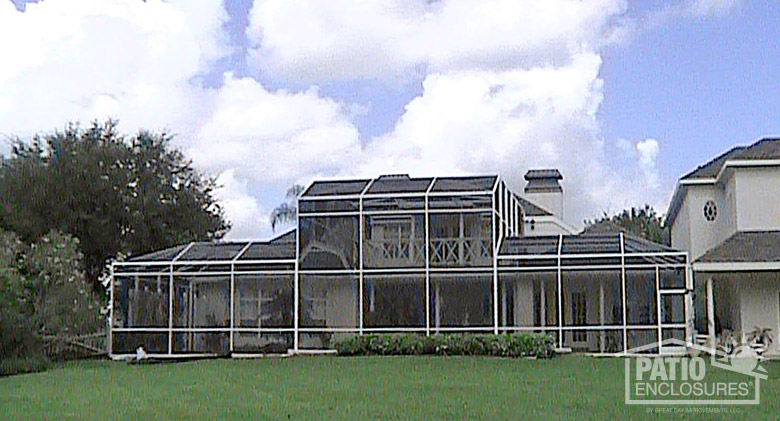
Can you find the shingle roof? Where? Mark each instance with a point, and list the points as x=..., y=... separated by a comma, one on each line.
x=531, y=209
x=758, y=246
x=768, y=148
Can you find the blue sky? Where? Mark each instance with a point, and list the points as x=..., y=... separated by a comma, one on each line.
x=623, y=97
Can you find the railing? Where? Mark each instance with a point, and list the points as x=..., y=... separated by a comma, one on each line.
x=395, y=252
x=466, y=251
x=76, y=346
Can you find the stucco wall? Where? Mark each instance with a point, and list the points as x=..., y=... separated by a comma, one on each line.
x=760, y=303
x=758, y=198
x=704, y=234
x=542, y=226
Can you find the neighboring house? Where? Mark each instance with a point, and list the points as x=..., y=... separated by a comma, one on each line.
x=402, y=254
x=543, y=204
x=726, y=214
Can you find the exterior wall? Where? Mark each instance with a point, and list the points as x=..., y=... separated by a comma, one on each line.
x=545, y=225
x=760, y=303
x=758, y=198
x=704, y=234
x=681, y=229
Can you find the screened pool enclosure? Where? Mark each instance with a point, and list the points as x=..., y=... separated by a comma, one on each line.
x=400, y=254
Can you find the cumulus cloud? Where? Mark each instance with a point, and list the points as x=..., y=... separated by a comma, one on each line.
x=86, y=59
x=344, y=39
x=507, y=85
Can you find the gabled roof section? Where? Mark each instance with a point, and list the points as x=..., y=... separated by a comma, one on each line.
x=764, y=149
x=531, y=209
x=744, y=247
x=767, y=148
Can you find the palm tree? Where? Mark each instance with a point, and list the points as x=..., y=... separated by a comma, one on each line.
x=287, y=211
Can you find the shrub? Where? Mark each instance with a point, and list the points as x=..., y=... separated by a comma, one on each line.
x=505, y=345
x=11, y=366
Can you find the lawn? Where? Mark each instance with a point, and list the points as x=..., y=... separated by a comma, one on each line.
x=342, y=388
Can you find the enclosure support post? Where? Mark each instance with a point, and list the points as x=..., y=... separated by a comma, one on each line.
x=232, y=304
x=602, y=335
x=428, y=263
x=110, y=342
x=543, y=302
x=689, y=313
x=170, y=312
x=296, y=281
x=623, y=290
x=659, y=339
x=560, y=293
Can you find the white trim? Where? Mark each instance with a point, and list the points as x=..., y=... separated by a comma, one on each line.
x=398, y=195
x=623, y=291
x=735, y=266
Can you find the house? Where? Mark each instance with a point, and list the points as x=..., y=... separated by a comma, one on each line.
x=396, y=253
x=726, y=214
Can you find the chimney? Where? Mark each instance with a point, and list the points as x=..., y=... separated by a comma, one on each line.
x=544, y=190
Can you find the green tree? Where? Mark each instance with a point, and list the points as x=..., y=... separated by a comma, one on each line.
x=287, y=211
x=642, y=222
x=117, y=194
x=43, y=291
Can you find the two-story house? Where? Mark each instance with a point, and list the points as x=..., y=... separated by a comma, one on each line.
x=726, y=214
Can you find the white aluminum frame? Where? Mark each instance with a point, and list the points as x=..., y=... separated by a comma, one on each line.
x=506, y=221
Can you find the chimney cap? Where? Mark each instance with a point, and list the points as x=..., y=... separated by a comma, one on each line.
x=543, y=174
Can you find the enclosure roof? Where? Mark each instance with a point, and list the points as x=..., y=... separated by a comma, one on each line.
x=400, y=183
x=742, y=247
x=606, y=243
x=281, y=247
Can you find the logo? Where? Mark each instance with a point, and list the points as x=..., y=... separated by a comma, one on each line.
x=704, y=376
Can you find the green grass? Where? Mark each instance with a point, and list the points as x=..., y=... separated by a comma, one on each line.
x=339, y=387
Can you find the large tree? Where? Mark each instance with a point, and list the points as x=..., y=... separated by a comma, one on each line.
x=117, y=194
x=642, y=222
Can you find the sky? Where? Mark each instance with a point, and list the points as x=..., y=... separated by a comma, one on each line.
x=623, y=97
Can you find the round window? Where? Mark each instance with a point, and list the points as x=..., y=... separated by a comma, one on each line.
x=710, y=211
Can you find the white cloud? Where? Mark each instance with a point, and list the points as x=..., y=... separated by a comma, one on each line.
x=86, y=59
x=507, y=85
x=342, y=39
x=508, y=122
x=707, y=8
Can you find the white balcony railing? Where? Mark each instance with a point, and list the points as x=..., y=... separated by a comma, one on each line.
x=406, y=252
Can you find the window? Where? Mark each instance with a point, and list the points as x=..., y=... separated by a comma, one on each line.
x=710, y=210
